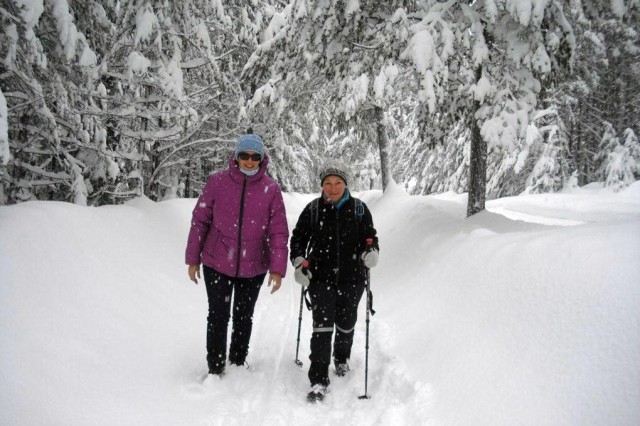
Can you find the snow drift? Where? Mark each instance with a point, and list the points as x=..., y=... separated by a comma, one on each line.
x=527, y=313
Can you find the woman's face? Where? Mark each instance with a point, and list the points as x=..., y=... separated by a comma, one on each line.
x=249, y=160
x=333, y=188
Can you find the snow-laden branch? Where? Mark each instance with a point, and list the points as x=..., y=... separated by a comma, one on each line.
x=362, y=46
x=55, y=176
x=112, y=154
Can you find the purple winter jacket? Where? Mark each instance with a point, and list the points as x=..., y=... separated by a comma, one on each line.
x=221, y=227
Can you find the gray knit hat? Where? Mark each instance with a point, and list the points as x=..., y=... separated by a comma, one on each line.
x=333, y=167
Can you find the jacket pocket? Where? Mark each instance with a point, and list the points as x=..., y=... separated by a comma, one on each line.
x=213, y=239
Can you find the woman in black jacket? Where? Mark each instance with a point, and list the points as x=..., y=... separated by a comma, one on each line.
x=332, y=245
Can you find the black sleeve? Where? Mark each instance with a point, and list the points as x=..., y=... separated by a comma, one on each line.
x=301, y=233
x=367, y=230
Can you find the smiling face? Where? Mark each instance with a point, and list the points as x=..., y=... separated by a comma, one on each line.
x=333, y=187
x=245, y=162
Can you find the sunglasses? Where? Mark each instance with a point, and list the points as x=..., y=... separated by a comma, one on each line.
x=244, y=156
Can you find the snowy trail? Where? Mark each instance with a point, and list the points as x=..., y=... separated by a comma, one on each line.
x=273, y=390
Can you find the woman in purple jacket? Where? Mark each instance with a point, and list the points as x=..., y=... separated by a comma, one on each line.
x=239, y=233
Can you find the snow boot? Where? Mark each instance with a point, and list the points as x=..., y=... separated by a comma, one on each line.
x=342, y=368
x=317, y=393
x=217, y=372
x=216, y=369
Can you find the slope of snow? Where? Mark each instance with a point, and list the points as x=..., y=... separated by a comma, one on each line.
x=527, y=313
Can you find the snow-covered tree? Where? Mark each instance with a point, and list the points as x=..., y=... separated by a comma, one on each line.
x=48, y=64
x=548, y=174
x=620, y=162
x=602, y=83
x=5, y=154
x=152, y=109
x=513, y=64
x=109, y=100
x=349, y=51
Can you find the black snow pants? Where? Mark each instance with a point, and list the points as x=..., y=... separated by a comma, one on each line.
x=245, y=292
x=333, y=304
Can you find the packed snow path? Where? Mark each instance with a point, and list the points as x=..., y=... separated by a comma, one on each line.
x=273, y=390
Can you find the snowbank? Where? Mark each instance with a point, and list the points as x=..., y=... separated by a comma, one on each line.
x=524, y=314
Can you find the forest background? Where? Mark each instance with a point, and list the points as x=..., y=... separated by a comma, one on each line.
x=104, y=100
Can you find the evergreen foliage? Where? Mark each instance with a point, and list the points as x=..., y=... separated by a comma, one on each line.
x=101, y=101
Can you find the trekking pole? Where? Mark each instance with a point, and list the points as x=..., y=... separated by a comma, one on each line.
x=298, y=362
x=366, y=356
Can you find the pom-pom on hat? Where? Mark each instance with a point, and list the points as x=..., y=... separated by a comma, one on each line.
x=249, y=142
x=334, y=167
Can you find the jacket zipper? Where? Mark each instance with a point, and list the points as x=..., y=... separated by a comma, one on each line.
x=338, y=245
x=244, y=187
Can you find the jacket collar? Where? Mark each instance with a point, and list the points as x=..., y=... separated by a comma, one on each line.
x=341, y=201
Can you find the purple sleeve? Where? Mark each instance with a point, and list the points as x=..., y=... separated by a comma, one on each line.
x=200, y=223
x=278, y=235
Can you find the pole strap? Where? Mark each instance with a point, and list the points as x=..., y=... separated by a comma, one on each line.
x=370, y=301
x=306, y=299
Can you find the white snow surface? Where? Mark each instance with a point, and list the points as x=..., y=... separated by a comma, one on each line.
x=527, y=314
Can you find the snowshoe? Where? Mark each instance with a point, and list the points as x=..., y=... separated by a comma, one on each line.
x=317, y=393
x=341, y=369
x=315, y=396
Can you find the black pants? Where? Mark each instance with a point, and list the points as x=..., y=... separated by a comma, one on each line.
x=333, y=304
x=245, y=294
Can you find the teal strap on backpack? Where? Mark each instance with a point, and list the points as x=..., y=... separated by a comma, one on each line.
x=359, y=209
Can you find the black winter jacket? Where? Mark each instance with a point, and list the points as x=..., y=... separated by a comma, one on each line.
x=334, y=242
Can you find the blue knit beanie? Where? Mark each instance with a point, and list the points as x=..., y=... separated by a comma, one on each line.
x=249, y=142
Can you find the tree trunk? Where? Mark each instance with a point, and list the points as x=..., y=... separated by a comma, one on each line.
x=383, y=145
x=478, y=163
